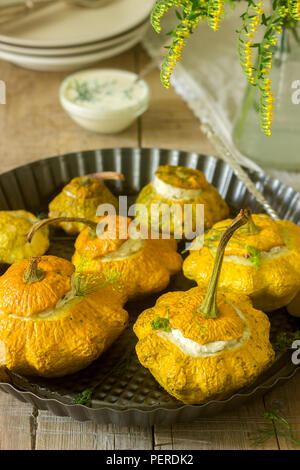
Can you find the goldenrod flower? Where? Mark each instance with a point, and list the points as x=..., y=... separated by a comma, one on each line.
x=192, y=11
x=215, y=13
x=266, y=106
x=174, y=54
x=294, y=9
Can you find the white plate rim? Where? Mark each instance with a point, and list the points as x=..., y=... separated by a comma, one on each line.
x=72, y=51
x=11, y=40
x=67, y=63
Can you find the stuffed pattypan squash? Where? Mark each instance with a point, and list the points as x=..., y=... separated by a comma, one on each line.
x=80, y=198
x=262, y=260
x=180, y=185
x=14, y=247
x=52, y=322
x=201, y=346
x=145, y=265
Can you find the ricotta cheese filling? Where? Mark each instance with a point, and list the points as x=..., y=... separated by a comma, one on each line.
x=275, y=252
x=129, y=248
x=194, y=349
x=63, y=306
x=172, y=192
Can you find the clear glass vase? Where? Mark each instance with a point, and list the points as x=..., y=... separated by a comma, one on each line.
x=282, y=149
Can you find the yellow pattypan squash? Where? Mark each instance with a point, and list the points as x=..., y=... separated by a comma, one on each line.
x=52, y=322
x=180, y=185
x=202, y=346
x=14, y=247
x=80, y=198
x=262, y=260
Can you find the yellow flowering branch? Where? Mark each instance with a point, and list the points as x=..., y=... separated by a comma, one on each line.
x=193, y=11
x=294, y=9
x=215, y=13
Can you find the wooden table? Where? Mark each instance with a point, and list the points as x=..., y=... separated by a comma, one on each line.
x=33, y=126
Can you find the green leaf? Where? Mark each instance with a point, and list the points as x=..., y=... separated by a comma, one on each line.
x=178, y=15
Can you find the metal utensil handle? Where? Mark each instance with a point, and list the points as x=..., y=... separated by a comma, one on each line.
x=238, y=170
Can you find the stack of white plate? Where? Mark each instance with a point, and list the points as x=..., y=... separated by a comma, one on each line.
x=65, y=37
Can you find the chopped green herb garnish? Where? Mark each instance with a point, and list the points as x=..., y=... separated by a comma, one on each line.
x=85, y=91
x=85, y=284
x=254, y=256
x=84, y=398
x=161, y=324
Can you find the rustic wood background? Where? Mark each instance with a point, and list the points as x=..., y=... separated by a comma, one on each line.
x=34, y=126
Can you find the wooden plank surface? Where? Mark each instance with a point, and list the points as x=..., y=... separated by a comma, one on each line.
x=33, y=126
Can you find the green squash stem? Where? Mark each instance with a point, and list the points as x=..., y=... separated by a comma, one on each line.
x=53, y=220
x=209, y=308
x=33, y=273
x=251, y=228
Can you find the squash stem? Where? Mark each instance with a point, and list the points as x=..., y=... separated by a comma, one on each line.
x=209, y=308
x=43, y=223
x=33, y=273
x=251, y=228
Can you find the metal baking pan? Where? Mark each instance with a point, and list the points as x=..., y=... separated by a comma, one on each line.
x=125, y=393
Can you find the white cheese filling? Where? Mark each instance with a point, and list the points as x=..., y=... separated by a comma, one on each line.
x=63, y=306
x=129, y=248
x=194, y=349
x=172, y=192
x=275, y=252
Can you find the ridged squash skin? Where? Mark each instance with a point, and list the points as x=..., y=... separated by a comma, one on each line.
x=38, y=339
x=80, y=198
x=14, y=225
x=195, y=380
x=144, y=272
x=215, y=208
x=271, y=286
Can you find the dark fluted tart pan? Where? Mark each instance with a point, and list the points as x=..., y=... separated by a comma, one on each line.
x=124, y=392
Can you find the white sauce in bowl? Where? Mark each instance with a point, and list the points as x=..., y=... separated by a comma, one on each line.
x=104, y=100
x=106, y=90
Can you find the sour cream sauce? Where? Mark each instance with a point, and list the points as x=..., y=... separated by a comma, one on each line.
x=106, y=90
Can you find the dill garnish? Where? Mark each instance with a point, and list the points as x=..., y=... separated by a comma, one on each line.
x=278, y=426
x=161, y=323
x=254, y=256
x=85, y=91
x=86, y=284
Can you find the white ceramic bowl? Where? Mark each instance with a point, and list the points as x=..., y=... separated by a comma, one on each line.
x=102, y=119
